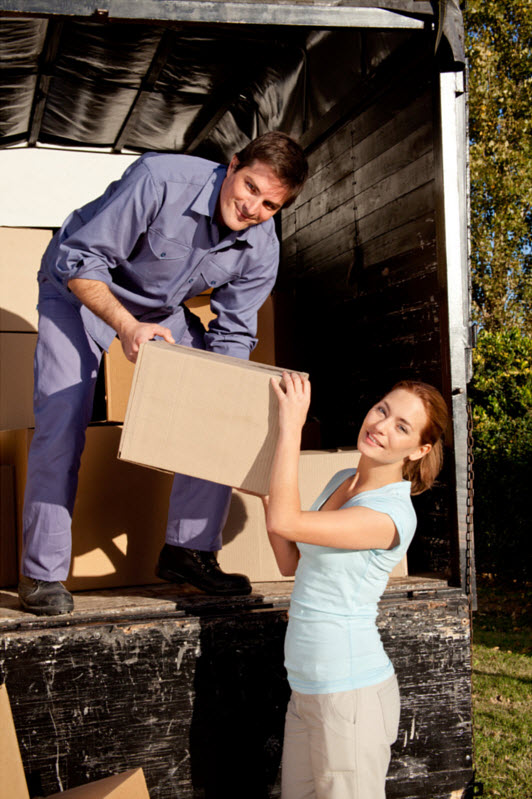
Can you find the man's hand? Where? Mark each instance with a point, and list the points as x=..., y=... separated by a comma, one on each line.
x=133, y=335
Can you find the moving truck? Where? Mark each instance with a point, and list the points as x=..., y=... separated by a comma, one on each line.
x=373, y=287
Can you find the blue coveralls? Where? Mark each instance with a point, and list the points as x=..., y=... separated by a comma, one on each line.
x=152, y=239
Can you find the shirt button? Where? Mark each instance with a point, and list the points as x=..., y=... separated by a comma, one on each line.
x=191, y=280
x=213, y=282
x=163, y=254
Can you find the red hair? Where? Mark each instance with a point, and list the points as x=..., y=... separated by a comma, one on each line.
x=423, y=472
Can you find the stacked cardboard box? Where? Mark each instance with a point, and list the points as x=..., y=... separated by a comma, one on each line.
x=20, y=255
x=120, y=513
x=245, y=541
x=129, y=785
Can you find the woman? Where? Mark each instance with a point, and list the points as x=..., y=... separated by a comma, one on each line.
x=343, y=714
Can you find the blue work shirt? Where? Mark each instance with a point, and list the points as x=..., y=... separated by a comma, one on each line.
x=152, y=238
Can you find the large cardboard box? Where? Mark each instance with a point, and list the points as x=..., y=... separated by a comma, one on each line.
x=246, y=547
x=21, y=250
x=119, y=371
x=129, y=785
x=12, y=778
x=16, y=380
x=205, y=415
x=119, y=517
x=245, y=541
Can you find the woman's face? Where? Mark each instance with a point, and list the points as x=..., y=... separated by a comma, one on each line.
x=392, y=429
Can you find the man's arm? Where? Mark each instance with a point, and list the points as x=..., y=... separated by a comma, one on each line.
x=236, y=305
x=98, y=297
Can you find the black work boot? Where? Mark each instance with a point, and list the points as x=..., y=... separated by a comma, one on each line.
x=44, y=598
x=201, y=569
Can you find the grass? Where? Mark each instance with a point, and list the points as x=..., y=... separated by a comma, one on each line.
x=502, y=688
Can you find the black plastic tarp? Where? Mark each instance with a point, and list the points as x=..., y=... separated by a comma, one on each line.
x=70, y=77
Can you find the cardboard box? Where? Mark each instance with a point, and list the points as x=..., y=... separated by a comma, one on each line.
x=205, y=415
x=21, y=250
x=246, y=547
x=264, y=352
x=119, y=371
x=119, y=517
x=12, y=778
x=16, y=380
x=201, y=307
x=121, y=509
x=129, y=785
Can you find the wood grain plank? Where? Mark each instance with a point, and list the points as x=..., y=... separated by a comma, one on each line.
x=385, y=108
x=326, y=175
x=403, y=124
x=325, y=201
x=399, y=170
x=397, y=213
x=418, y=234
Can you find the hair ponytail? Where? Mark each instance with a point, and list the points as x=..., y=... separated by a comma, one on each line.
x=423, y=472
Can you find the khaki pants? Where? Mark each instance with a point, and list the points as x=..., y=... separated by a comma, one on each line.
x=337, y=746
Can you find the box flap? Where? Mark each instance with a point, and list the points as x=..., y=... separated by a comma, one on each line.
x=129, y=785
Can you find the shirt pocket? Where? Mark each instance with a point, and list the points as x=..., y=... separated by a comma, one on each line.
x=215, y=275
x=164, y=249
x=157, y=262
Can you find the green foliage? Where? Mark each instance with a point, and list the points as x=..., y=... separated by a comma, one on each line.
x=503, y=384
x=501, y=397
x=502, y=689
x=499, y=48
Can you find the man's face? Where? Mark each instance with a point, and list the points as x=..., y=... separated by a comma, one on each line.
x=250, y=195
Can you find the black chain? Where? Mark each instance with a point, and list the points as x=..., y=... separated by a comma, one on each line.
x=470, y=547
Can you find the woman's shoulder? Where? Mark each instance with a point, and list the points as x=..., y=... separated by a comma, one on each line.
x=384, y=499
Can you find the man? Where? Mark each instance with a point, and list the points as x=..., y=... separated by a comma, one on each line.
x=123, y=265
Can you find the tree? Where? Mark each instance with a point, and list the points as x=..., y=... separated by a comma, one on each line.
x=499, y=46
x=501, y=395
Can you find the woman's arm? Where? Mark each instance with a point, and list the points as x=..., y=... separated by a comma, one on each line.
x=349, y=528
x=286, y=552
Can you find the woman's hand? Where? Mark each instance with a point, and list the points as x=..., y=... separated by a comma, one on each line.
x=294, y=400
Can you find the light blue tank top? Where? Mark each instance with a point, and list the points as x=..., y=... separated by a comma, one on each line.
x=332, y=641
